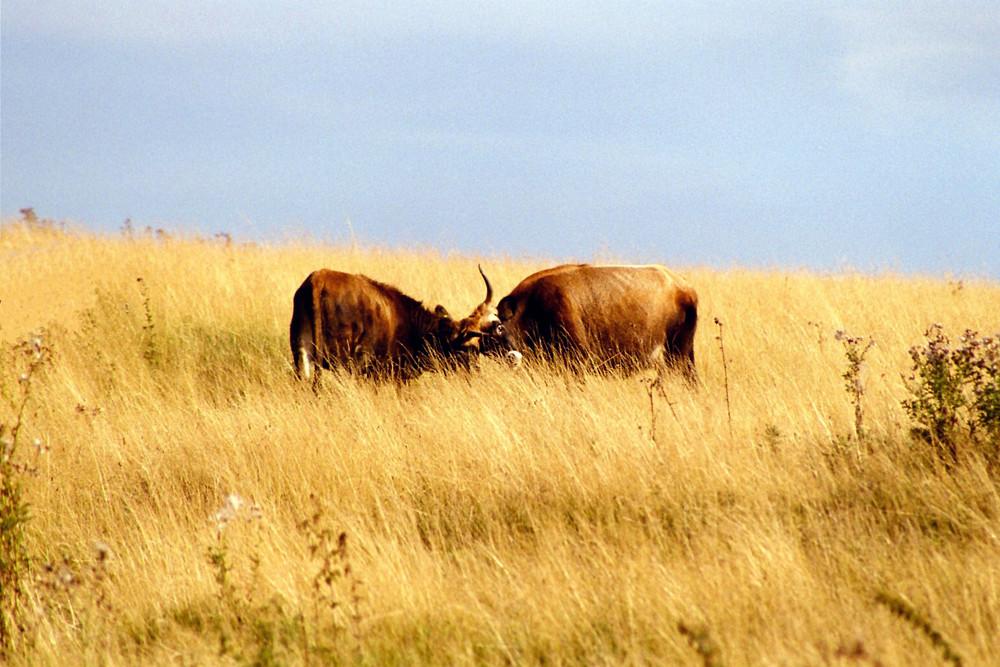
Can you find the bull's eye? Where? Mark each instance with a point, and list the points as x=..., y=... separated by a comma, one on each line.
x=498, y=330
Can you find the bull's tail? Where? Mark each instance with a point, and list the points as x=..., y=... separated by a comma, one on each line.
x=305, y=332
x=297, y=331
x=682, y=340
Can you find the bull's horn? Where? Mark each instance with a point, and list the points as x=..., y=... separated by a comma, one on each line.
x=489, y=288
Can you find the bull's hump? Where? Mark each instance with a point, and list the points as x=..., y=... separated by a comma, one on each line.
x=645, y=268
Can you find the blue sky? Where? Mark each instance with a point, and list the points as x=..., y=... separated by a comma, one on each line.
x=765, y=134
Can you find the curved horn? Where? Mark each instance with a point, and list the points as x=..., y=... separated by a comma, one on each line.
x=489, y=288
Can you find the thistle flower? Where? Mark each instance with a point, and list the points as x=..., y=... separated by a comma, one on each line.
x=65, y=577
x=229, y=510
x=6, y=442
x=255, y=512
x=102, y=551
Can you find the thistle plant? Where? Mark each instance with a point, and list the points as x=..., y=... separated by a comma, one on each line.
x=702, y=643
x=78, y=592
x=29, y=357
x=855, y=347
x=150, y=352
x=334, y=566
x=235, y=608
x=911, y=615
x=955, y=392
x=725, y=372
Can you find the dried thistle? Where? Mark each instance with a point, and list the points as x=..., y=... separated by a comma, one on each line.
x=855, y=347
x=725, y=375
x=334, y=566
x=30, y=355
x=702, y=643
x=909, y=613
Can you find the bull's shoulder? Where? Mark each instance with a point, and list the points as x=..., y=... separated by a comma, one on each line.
x=332, y=281
x=627, y=269
x=675, y=287
x=658, y=272
x=550, y=274
x=597, y=281
x=673, y=278
x=610, y=274
x=335, y=280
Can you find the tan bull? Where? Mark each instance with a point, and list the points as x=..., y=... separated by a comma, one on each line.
x=354, y=322
x=612, y=316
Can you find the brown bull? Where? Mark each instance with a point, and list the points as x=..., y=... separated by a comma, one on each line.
x=619, y=316
x=354, y=322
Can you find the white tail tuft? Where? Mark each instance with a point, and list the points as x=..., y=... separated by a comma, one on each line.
x=305, y=364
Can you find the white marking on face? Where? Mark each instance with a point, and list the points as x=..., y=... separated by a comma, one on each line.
x=514, y=357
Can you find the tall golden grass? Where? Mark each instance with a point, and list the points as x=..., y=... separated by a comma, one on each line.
x=522, y=516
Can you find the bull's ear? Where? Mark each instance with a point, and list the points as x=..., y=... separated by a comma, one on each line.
x=441, y=312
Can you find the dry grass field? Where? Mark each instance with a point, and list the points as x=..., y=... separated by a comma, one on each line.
x=502, y=516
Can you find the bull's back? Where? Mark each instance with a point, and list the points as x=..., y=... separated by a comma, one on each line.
x=359, y=315
x=606, y=310
x=602, y=293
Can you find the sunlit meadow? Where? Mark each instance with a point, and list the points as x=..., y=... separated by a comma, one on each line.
x=189, y=503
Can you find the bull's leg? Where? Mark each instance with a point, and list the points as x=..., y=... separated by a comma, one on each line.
x=690, y=372
x=682, y=360
x=679, y=343
x=316, y=366
x=672, y=361
x=573, y=344
x=682, y=364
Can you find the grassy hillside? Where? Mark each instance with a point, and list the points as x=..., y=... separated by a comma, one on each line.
x=504, y=516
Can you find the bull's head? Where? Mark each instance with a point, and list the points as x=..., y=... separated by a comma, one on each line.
x=482, y=322
x=499, y=342
x=465, y=334
x=493, y=337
